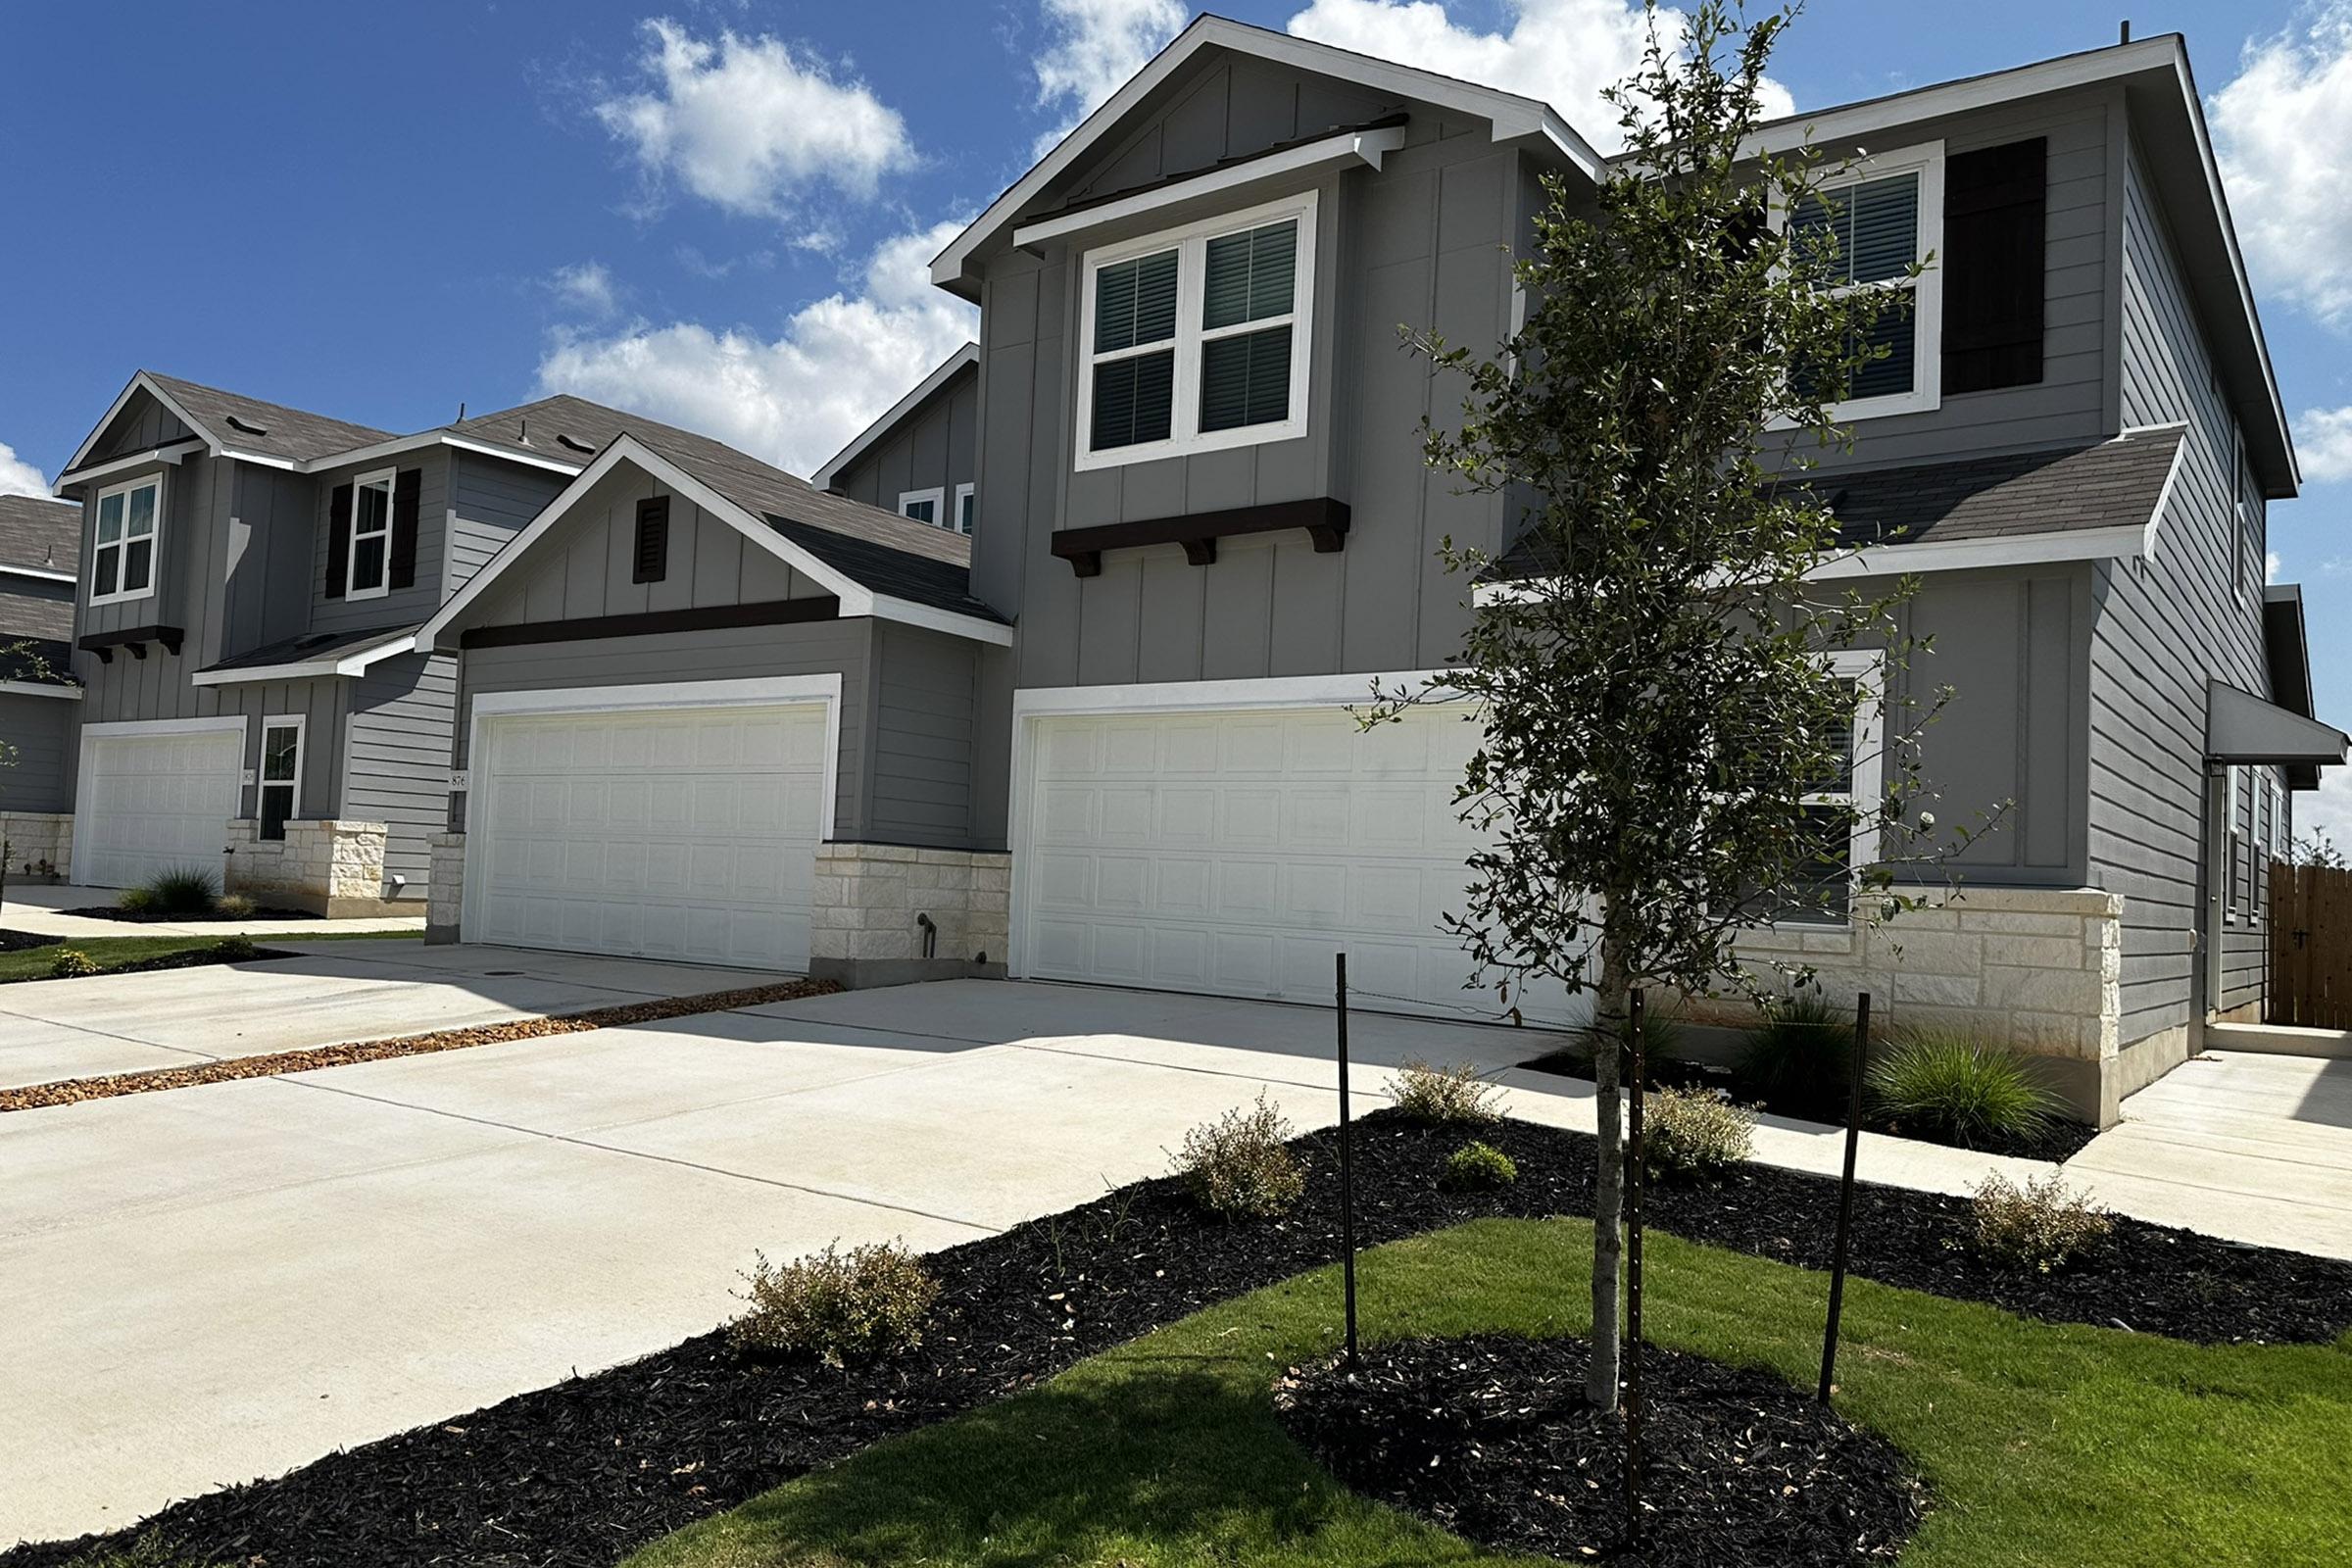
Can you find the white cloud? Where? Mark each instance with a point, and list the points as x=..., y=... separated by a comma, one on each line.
x=2327, y=809
x=2283, y=133
x=586, y=287
x=1563, y=52
x=2324, y=443
x=1096, y=45
x=749, y=123
x=19, y=477
x=799, y=398
x=2270, y=566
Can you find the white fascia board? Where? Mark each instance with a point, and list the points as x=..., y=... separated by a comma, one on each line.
x=856, y=599
x=401, y=445
x=141, y=382
x=887, y=606
x=171, y=453
x=40, y=574
x=39, y=688
x=355, y=662
x=945, y=372
x=1356, y=146
x=1512, y=116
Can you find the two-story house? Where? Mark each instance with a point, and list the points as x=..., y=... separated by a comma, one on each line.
x=40, y=544
x=1198, y=499
x=918, y=459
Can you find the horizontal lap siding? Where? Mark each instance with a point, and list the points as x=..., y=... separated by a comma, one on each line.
x=397, y=760
x=2163, y=627
x=490, y=502
x=41, y=731
x=926, y=691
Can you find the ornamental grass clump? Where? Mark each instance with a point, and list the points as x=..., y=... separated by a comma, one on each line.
x=1477, y=1167
x=1797, y=1059
x=2040, y=1227
x=186, y=890
x=843, y=1308
x=1240, y=1165
x=70, y=963
x=1957, y=1090
x=1694, y=1133
x=1453, y=1096
x=233, y=906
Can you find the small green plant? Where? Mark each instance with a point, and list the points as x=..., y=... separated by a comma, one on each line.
x=1797, y=1059
x=1453, y=1096
x=2040, y=1227
x=1694, y=1133
x=184, y=890
x=1477, y=1168
x=235, y=950
x=135, y=901
x=233, y=906
x=1240, y=1165
x=150, y=1550
x=72, y=963
x=844, y=1308
x=1952, y=1088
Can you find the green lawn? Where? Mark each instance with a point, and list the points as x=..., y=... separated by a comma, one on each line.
x=32, y=964
x=2058, y=1445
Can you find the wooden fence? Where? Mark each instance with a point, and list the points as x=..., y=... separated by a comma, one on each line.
x=2310, y=946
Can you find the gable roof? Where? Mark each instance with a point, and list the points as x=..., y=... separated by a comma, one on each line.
x=1513, y=117
x=233, y=423
x=40, y=537
x=967, y=358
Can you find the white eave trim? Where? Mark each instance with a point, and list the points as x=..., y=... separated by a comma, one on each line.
x=1368, y=147
x=401, y=445
x=353, y=662
x=169, y=452
x=39, y=688
x=39, y=574
x=1513, y=117
x=942, y=373
x=141, y=382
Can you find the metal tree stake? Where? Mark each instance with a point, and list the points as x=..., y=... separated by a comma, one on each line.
x=1632, y=1285
x=1845, y=1193
x=1346, y=1166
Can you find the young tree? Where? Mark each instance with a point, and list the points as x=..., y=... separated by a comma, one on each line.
x=1655, y=703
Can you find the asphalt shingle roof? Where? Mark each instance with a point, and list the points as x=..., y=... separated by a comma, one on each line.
x=35, y=531
x=271, y=429
x=313, y=645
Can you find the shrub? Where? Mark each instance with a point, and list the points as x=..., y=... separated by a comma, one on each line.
x=235, y=950
x=2039, y=1228
x=1240, y=1165
x=1477, y=1168
x=845, y=1308
x=233, y=905
x=1446, y=1096
x=1953, y=1088
x=135, y=901
x=1693, y=1132
x=69, y=963
x=188, y=890
x=1798, y=1059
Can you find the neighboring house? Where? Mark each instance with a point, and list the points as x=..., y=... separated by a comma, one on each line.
x=40, y=542
x=918, y=459
x=254, y=578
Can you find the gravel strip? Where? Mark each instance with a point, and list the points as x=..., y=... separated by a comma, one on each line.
x=73, y=1091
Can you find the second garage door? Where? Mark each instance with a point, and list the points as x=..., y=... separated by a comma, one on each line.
x=1236, y=851
x=687, y=834
x=156, y=799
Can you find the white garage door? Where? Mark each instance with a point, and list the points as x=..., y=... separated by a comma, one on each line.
x=156, y=802
x=683, y=833
x=1235, y=853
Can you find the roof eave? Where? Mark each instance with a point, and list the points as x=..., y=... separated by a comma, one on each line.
x=941, y=375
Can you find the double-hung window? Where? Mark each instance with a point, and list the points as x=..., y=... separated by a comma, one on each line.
x=1876, y=224
x=370, y=563
x=1197, y=339
x=282, y=775
x=1842, y=809
x=123, y=555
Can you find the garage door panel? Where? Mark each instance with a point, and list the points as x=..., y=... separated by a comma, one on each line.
x=158, y=802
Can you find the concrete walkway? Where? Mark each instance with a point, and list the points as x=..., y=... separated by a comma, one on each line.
x=41, y=910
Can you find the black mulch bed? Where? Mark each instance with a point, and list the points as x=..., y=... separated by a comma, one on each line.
x=186, y=959
x=582, y=1473
x=1491, y=1439
x=25, y=941
x=114, y=911
x=2062, y=1141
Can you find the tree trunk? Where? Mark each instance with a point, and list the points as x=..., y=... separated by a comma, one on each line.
x=1612, y=999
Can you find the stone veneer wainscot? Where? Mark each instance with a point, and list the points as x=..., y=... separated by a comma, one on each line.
x=328, y=867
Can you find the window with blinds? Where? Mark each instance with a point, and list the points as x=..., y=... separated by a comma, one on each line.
x=1866, y=233
x=1195, y=339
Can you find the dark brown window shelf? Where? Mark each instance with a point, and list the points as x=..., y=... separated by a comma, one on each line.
x=1324, y=519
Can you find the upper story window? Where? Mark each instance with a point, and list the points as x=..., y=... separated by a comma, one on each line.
x=1198, y=338
x=923, y=506
x=371, y=556
x=1885, y=217
x=964, y=509
x=130, y=524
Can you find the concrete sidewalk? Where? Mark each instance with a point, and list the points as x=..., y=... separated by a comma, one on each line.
x=42, y=910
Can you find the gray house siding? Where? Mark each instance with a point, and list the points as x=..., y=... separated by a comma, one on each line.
x=195, y=492
x=396, y=757
x=142, y=424
x=489, y=503
x=402, y=605
x=925, y=693
x=934, y=446
x=262, y=593
x=2163, y=628
x=40, y=729
x=31, y=607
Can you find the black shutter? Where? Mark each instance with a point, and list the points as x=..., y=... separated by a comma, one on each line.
x=651, y=559
x=1994, y=218
x=338, y=542
x=406, y=488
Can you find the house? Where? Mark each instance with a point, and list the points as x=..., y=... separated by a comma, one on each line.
x=1199, y=505
x=40, y=543
x=919, y=458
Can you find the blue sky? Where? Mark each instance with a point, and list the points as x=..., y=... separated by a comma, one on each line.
x=719, y=213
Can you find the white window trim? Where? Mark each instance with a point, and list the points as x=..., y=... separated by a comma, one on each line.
x=955, y=523
x=122, y=546
x=1927, y=293
x=389, y=479
x=938, y=498
x=1866, y=667
x=300, y=726
x=1191, y=244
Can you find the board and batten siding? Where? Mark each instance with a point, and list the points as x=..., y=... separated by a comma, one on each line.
x=261, y=595
x=396, y=760
x=42, y=731
x=2163, y=627
x=934, y=446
